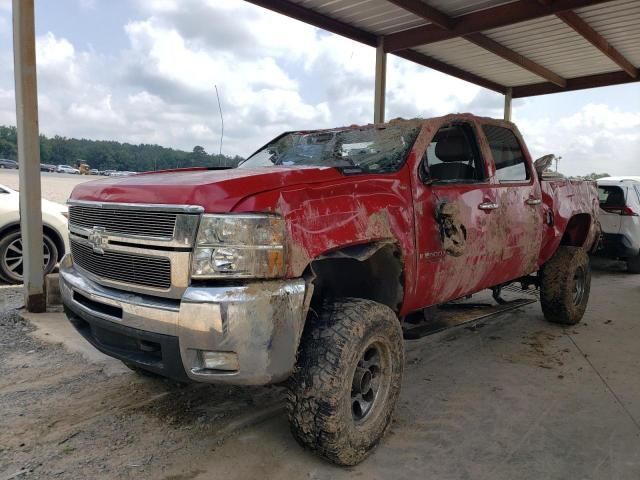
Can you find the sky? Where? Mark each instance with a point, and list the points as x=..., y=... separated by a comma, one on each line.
x=145, y=71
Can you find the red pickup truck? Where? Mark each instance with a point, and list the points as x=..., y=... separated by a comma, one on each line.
x=301, y=263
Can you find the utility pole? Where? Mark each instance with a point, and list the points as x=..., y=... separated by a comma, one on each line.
x=26, y=85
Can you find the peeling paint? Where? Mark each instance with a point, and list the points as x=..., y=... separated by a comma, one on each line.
x=453, y=233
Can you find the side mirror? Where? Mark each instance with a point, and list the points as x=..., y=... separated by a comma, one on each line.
x=542, y=163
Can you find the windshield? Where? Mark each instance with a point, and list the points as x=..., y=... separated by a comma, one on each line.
x=366, y=149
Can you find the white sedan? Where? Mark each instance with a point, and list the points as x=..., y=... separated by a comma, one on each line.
x=67, y=169
x=56, y=237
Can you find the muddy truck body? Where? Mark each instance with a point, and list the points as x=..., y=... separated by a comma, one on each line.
x=301, y=263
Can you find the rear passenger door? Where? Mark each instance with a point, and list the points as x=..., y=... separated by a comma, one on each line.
x=519, y=203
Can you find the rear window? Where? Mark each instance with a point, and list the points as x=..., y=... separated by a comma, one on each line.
x=611, y=196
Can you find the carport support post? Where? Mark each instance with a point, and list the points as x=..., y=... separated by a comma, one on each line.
x=508, y=97
x=24, y=58
x=381, y=83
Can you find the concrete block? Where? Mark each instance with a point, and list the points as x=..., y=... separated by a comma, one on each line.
x=52, y=290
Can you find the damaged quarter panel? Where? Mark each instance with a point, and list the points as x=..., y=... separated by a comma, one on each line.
x=563, y=201
x=352, y=210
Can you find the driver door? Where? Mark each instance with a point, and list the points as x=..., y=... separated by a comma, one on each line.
x=457, y=237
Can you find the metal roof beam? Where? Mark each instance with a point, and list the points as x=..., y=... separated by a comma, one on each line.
x=440, y=66
x=494, y=17
x=579, y=83
x=444, y=21
x=583, y=28
x=421, y=9
x=514, y=57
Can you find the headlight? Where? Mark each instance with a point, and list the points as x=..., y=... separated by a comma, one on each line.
x=239, y=246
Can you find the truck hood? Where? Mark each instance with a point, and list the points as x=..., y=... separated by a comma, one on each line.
x=218, y=191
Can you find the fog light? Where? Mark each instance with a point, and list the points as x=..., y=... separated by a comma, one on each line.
x=227, y=361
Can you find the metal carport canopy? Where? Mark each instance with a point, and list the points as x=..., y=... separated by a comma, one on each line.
x=518, y=48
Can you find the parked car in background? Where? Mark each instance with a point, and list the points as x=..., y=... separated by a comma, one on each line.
x=94, y=171
x=55, y=230
x=6, y=163
x=108, y=173
x=67, y=169
x=620, y=219
x=46, y=167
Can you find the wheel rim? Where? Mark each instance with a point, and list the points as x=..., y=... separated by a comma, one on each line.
x=579, y=285
x=13, y=259
x=370, y=382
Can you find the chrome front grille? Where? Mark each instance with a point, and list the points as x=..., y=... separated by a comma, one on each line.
x=121, y=267
x=142, y=248
x=130, y=221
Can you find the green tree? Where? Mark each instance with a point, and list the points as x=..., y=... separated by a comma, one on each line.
x=110, y=155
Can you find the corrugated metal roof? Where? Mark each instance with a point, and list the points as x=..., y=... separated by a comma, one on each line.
x=619, y=23
x=554, y=45
x=456, y=8
x=544, y=40
x=376, y=16
x=467, y=56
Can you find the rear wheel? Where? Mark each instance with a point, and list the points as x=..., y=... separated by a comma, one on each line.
x=633, y=264
x=11, y=256
x=347, y=381
x=565, y=286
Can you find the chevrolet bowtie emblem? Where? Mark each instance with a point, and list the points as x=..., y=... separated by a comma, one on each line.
x=98, y=239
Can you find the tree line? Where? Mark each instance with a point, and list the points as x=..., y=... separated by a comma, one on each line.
x=111, y=155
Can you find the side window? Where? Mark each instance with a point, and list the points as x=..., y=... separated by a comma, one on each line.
x=511, y=164
x=638, y=192
x=453, y=156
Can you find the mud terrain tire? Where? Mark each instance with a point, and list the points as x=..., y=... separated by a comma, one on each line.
x=633, y=265
x=565, y=285
x=353, y=348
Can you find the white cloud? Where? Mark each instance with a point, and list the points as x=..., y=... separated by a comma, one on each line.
x=597, y=138
x=88, y=4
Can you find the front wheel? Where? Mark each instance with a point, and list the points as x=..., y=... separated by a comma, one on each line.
x=347, y=380
x=565, y=285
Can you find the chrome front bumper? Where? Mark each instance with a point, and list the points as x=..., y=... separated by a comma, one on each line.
x=255, y=327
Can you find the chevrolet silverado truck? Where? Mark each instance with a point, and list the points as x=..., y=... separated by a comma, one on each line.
x=302, y=263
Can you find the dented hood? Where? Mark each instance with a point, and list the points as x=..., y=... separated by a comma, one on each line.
x=218, y=191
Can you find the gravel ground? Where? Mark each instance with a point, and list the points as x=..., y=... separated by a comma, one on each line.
x=65, y=418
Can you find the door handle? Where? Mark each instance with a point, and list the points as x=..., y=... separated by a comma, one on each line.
x=533, y=201
x=488, y=206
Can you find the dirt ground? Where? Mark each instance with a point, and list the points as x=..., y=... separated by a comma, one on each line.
x=503, y=398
